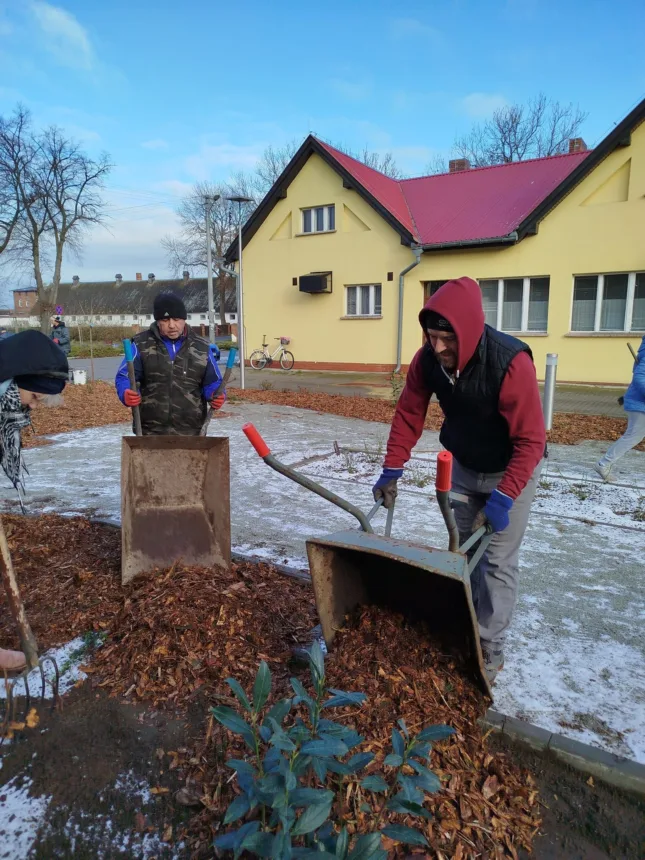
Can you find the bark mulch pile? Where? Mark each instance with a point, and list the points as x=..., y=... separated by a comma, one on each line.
x=95, y=405
x=174, y=636
x=91, y=405
x=185, y=629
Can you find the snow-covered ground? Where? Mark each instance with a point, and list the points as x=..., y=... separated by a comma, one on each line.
x=24, y=816
x=575, y=656
x=68, y=659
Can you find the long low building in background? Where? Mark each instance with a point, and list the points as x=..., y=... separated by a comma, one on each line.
x=121, y=302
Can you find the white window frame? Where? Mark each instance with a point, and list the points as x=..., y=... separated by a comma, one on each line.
x=600, y=293
x=371, y=301
x=526, y=295
x=326, y=228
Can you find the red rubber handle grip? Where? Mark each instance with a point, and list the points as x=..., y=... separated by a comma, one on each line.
x=256, y=440
x=444, y=472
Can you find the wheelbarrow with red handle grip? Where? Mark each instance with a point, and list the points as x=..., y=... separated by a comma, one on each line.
x=351, y=568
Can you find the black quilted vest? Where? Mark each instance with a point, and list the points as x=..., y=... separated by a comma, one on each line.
x=473, y=429
x=171, y=391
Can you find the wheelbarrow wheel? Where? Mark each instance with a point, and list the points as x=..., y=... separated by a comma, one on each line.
x=258, y=360
x=287, y=360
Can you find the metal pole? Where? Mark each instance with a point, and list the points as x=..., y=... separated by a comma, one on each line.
x=209, y=268
x=549, y=388
x=240, y=305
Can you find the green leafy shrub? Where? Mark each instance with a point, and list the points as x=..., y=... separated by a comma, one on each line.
x=287, y=812
x=99, y=350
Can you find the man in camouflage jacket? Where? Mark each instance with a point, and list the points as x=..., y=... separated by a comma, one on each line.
x=175, y=371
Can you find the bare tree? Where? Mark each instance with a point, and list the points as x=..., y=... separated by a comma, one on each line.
x=270, y=166
x=188, y=249
x=437, y=164
x=517, y=132
x=15, y=156
x=58, y=192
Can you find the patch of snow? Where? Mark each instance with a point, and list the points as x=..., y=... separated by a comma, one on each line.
x=68, y=659
x=21, y=816
x=591, y=690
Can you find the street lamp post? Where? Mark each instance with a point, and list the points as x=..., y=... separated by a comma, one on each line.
x=240, y=200
x=209, y=200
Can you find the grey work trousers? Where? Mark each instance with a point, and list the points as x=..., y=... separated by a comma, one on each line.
x=495, y=579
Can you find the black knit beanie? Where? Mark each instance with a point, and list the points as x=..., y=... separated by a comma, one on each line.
x=433, y=320
x=168, y=306
x=40, y=384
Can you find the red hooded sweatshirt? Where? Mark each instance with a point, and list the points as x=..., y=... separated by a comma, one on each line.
x=460, y=302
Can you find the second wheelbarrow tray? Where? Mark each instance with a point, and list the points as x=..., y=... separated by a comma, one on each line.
x=350, y=568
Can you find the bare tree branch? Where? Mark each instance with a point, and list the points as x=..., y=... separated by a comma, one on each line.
x=58, y=192
x=541, y=128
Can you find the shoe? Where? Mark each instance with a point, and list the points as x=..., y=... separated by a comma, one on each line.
x=12, y=661
x=493, y=660
x=603, y=471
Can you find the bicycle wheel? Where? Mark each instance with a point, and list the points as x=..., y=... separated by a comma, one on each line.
x=286, y=359
x=258, y=360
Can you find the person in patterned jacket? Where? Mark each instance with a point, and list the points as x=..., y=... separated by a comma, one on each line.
x=176, y=373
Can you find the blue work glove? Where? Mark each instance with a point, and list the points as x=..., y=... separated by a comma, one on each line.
x=495, y=512
x=385, y=487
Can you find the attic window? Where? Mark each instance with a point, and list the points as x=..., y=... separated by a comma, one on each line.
x=320, y=219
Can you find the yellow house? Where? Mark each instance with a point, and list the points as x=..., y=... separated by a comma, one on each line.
x=340, y=257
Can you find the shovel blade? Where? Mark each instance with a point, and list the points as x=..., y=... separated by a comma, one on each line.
x=175, y=503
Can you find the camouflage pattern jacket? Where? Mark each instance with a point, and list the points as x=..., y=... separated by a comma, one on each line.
x=176, y=379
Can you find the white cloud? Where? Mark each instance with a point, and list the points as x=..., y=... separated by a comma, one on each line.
x=406, y=28
x=354, y=91
x=215, y=158
x=482, y=105
x=65, y=38
x=156, y=143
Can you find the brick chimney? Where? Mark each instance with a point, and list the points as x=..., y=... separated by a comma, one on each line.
x=119, y=279
x=457, y=165
x=138, y=276
x=76, y=281
x=577, y=144
x=151, y=278
x=186, y=275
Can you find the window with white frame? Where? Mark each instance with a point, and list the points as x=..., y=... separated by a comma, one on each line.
x=320, y=219
x=363, y=300
x=614, y=302
x=516, y=304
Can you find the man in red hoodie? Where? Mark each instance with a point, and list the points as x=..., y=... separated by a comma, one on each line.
x=486, y=385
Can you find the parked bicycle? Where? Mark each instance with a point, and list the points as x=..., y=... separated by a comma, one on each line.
x=261, y=357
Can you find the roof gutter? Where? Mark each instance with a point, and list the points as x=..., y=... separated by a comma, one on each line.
x=418, y=251
x=511, y=239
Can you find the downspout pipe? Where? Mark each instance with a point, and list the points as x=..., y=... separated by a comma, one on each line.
x=418, y=251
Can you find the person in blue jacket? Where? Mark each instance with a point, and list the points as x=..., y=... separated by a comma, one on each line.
x=634, y=405
x=176, y=373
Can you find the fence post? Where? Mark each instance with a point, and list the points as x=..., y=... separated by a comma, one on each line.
x=549, y=388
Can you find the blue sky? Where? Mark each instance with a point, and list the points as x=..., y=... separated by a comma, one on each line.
x=182, y=90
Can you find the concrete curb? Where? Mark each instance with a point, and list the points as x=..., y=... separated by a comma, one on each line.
x=615, y=770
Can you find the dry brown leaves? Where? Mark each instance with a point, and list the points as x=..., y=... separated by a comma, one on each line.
x=185, y=629
x=488, y=807
x=68, y=572
x=174, y=637
x=95, y=405
x=92, y=405
x=568, y=428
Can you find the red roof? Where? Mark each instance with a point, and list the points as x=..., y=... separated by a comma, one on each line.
x=483, y=203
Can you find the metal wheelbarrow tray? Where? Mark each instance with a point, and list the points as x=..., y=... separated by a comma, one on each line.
x=350, y=568
x=175, y=502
